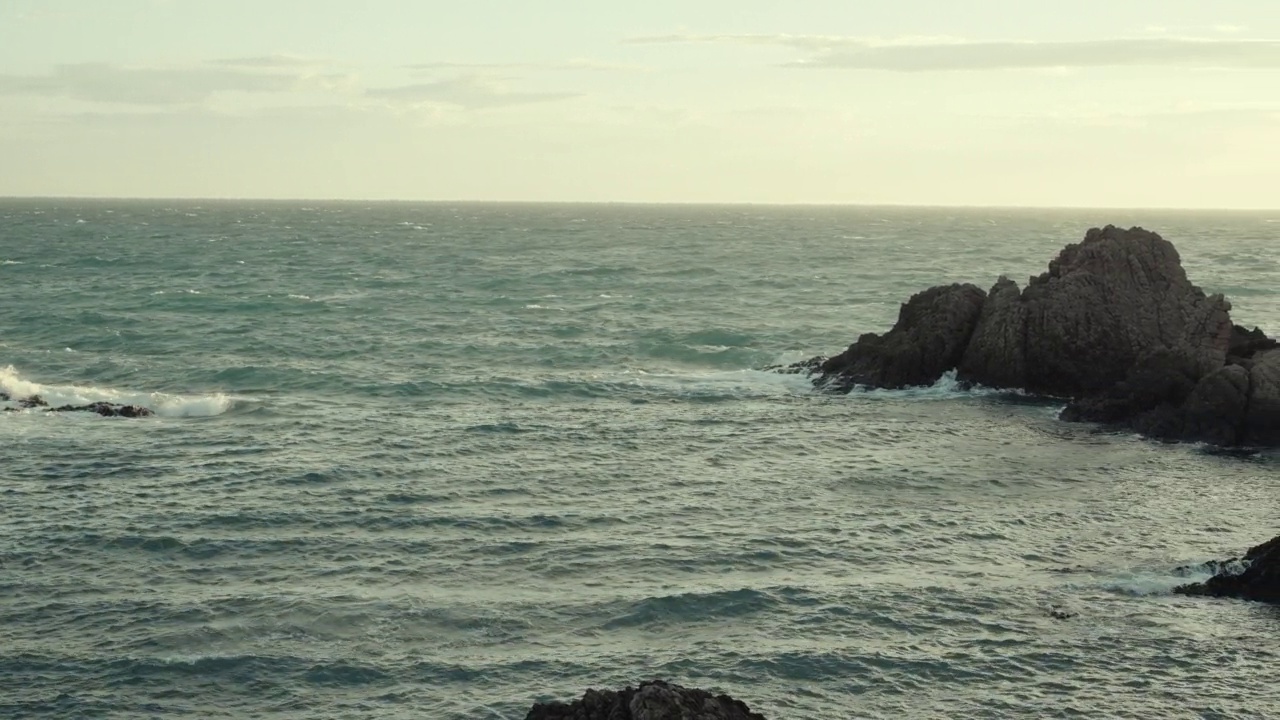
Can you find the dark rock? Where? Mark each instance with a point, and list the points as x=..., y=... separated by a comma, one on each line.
x=804, y=367
x=1114, y=326
x=930, y=337
x=996, y=354
x=1159, y=379
x=1230, y=566
x=1215, y=411
x=1256, y=576
x=656, y=700
x=1108, y=301
x=1244, y=343
x=106, y=409
x=1262, y=416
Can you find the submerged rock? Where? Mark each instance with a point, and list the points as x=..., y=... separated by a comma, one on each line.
x=104, y=409
x=1114, y=326
x=655, y=700
x=1256, y=576
x=804, y=367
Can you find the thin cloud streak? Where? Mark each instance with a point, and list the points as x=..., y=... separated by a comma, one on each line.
x=942, y=54
x=470, y=92
x=102, y=82
x=271, y=62
x=583, y=64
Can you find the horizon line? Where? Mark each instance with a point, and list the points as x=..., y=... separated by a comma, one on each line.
x=721, y=203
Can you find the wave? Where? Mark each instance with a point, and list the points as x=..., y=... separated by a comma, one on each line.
x=1144, y=582
x=946, y=388
x=163, y=404
x=716, y=605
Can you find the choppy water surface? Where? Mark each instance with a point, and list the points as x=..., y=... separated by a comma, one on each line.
x=440, y=461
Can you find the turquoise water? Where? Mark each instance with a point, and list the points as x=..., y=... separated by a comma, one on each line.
x=441, y=461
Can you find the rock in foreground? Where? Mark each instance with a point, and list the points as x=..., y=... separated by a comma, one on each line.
x=1256, y=576
x=656, y=700
x=1114, y=326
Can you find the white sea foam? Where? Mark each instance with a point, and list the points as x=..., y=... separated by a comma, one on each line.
x=163, y=404
x=947, y=387
x=765, y=382
x=11, y=262
x=1139, y=583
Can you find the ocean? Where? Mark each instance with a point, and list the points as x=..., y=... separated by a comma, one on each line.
x=445, y=460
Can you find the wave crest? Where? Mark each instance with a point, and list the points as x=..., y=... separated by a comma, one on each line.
x=163, y=404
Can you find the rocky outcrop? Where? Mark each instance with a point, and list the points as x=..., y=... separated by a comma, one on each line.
x=1114, y=326
x=1107, y=302
x=656, y=700
x=104, y=409
x=1262, y=414
x=931, y=334
x=1256, y=576
x=1216, y=407
x=997, y=350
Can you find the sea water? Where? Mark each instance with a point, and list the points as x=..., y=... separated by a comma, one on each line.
x=445, y=460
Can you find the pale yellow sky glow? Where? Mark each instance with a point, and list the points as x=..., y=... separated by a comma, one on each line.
x=1142, y=103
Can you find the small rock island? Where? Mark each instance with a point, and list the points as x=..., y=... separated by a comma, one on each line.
x=1114, y=327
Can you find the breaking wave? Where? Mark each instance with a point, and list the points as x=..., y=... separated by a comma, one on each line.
x=163, y=404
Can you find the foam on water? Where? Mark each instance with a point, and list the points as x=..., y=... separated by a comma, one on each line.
x=1142, y=583
x=163, y=404
x=946, y=388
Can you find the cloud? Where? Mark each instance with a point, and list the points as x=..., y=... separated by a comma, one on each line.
x=584, y=64
x=466, y=91
x=106, y=83
x=934, y=54
x=278, y=78
x=271, y=62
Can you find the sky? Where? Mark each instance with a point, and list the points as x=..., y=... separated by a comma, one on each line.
x=1092, y=103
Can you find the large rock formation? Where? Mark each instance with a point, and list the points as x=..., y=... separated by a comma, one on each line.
x=1114, y=326
x=1256, y=576
x=1104, y=304
x=656, y=700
